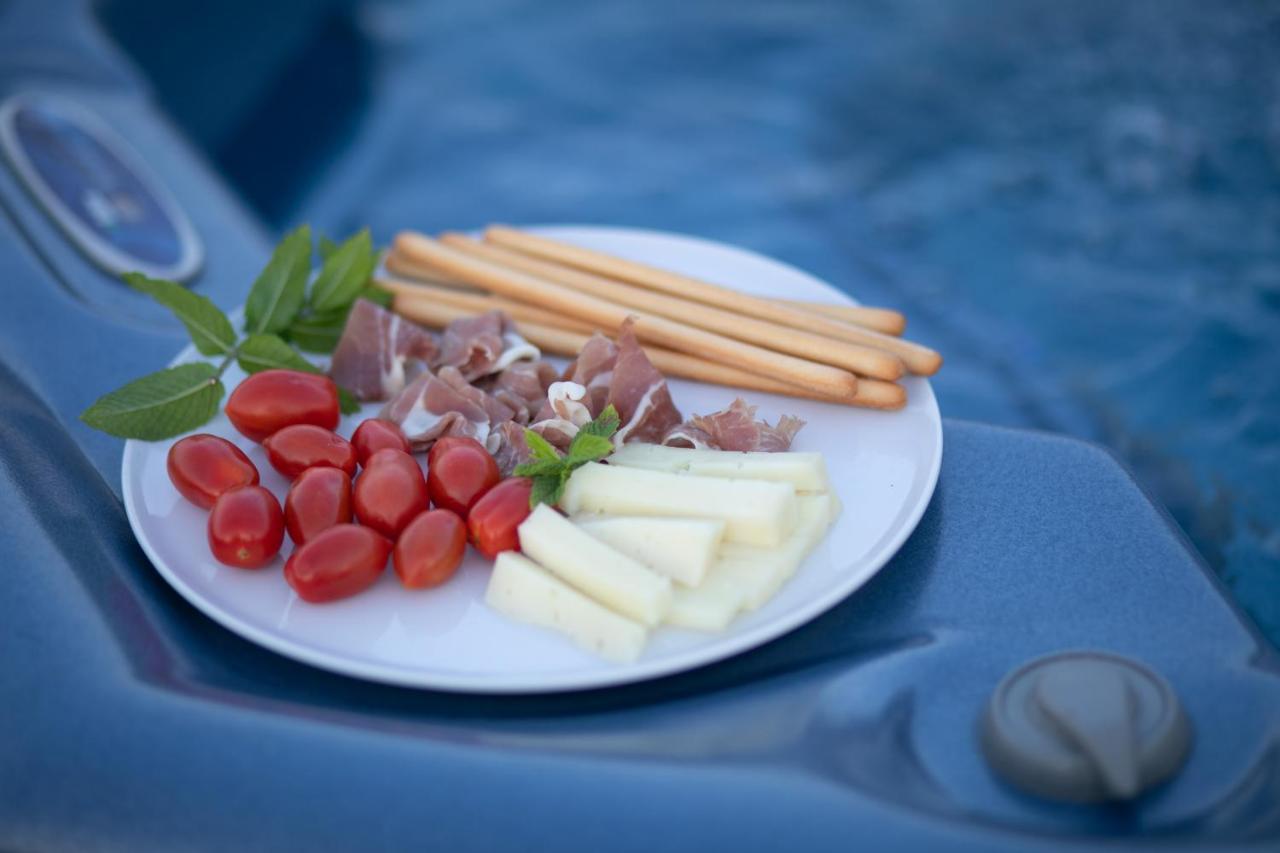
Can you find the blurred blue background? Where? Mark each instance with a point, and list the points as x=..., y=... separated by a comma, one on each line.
x=1079, y=203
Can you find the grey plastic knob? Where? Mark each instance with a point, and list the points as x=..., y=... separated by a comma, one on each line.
x=1085, y=727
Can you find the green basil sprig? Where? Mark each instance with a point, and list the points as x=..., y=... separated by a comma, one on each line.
x=550, y=471
x=279, y=314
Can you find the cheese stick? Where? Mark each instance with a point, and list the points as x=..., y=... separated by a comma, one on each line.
x=680, y=548
x=755, y=512
x=648, y=328
x=760, y=572
x=806, y=471
x=523, y=590
x=605, y=574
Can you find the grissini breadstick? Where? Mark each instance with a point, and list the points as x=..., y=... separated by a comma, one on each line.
x=884, y=320
x=821, y=378
x=858, y=359
x=918, y=359
x=569, y=342
x=477, y=302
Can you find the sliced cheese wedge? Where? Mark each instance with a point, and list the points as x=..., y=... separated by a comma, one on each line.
x=523, y=590
x=755, y=512
x=760, y=572
x=806, y=471
x=680, y=548
x=586, y=563
x=709, y=606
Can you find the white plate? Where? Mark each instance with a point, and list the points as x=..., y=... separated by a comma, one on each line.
x=883, y=466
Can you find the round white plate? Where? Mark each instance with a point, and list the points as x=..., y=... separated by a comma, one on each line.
x=883, y=466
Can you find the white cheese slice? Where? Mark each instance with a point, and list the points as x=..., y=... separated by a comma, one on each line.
x=760, y=572
x=680, y=548
x=709, y=606
x=608, y=576
x=523, y=590
x=806, y=471
x=755, y=512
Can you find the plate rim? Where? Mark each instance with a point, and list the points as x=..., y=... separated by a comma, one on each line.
x=549, y=683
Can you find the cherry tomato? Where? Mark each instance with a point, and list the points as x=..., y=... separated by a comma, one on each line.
x=389, y=493
x=394, y=457
x=459, y=473
x=204, y=466
x=246, y=527
x=376, y=434
x=430, y=549
x=274, y=399
x=493, y=520
x=296, y=448
x=317, y=500
x=337, y=563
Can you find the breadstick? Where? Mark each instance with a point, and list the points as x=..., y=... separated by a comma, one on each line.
x=917, y=358
x=569, y=342
x=884, y=320
x=820, y=378
x=476, y=302
x=859, y=359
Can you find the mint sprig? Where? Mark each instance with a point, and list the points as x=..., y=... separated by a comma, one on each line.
x=550, y=471
x=179, y=399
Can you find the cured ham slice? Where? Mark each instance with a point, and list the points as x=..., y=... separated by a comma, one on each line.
x=639, y=393
x=508, y=446
x=444, y=403
x=523, y=387
x=734, y=428
x=379, y=352
x=481, y=345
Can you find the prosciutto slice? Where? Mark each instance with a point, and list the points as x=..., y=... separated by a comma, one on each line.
x=734, y=428
x=444, y=403
x=523, y=387
x=509, y=448
x=481, y=345
x=639, y=393
x=379, y=351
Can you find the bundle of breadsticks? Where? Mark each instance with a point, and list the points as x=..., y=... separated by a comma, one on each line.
x=558, y=294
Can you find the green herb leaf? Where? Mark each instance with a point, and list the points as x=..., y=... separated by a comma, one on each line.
x=209, y=328
x=160, y=405
x=588, y=448
x=344, y=274
x=606, y=424
x=546, y=490
x=377, y=295
x=327, y=247
x=280, y=288
x=318, y=331
x=269, y=352
x=538, y=468
x=539, y=447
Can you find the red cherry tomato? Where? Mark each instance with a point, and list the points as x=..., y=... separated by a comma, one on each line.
x=459, y=473
x=337, y=563
x=430, y=549
x=274, y=399
x=317, y=500
x=394, y=457
x=296, y=448
x=389, y=493
x=204, y=466
x=246, y=527
x=376, y=434
x=493, y=520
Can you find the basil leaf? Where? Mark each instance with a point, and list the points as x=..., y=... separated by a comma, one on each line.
x=344, y=274
x=605, y=424
x=209, y=328
x=539, y=447
x=318, y=331
x=160, y=405
x=546, y=490
x=587, y=447
x=269, y=352
x=279, y=291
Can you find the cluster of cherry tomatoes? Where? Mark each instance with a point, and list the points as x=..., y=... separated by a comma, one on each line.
x=293, y=415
